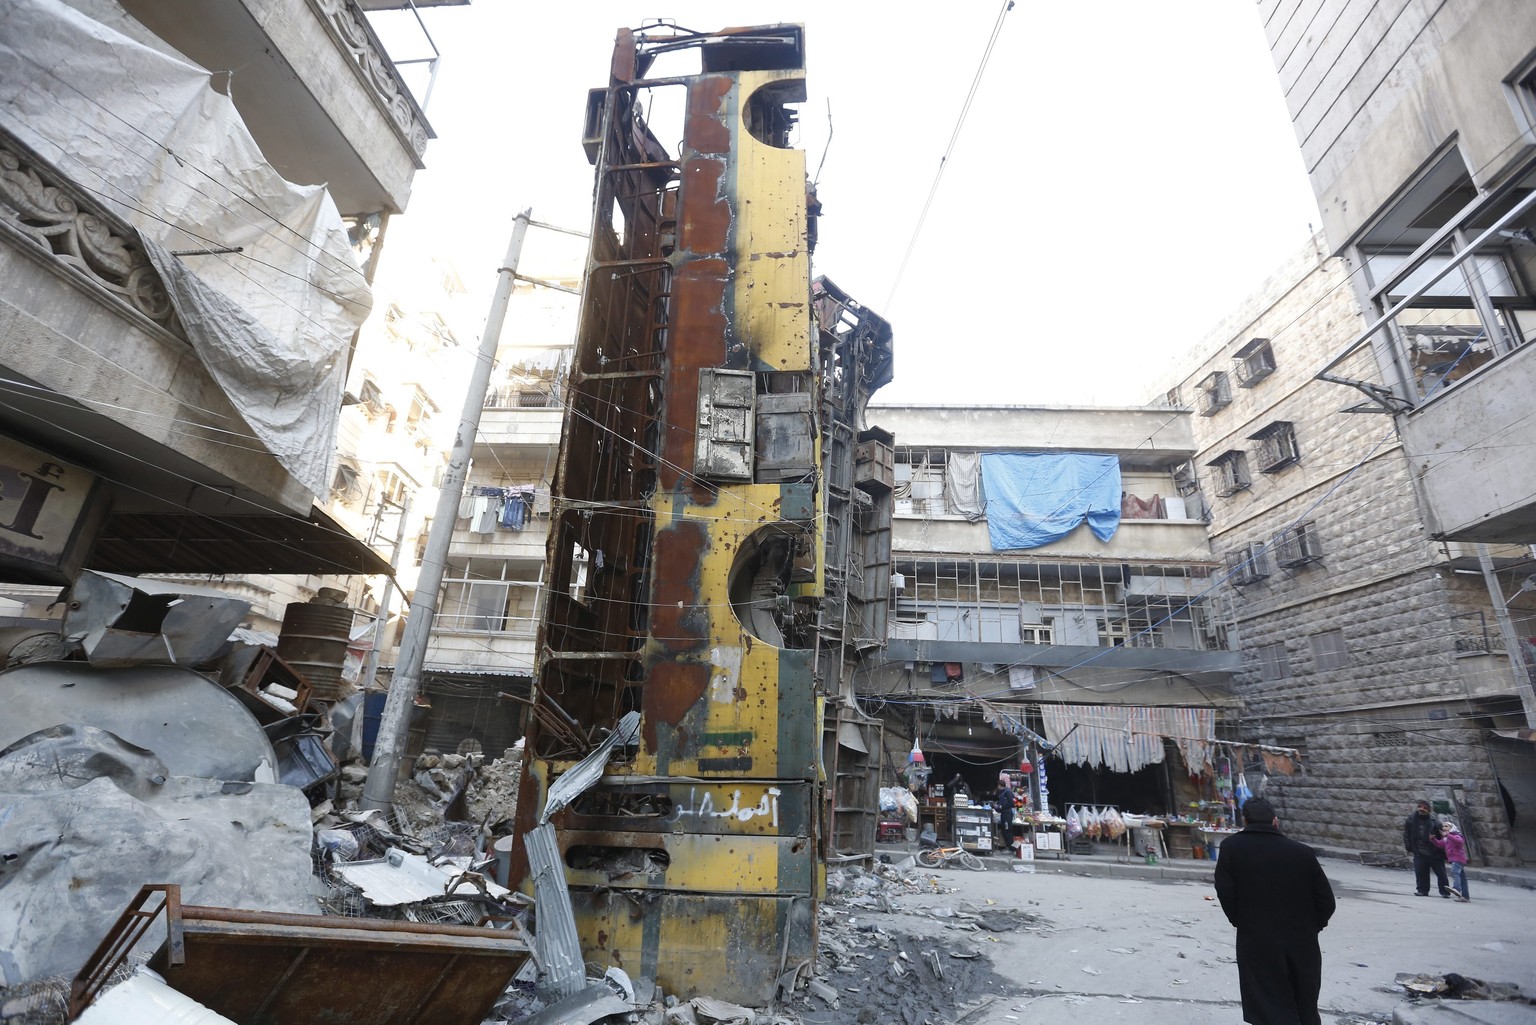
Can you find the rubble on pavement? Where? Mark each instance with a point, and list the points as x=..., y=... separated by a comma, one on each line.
x=1459, y=987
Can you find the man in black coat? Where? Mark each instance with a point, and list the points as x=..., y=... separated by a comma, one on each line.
x=1417, y=830
x=1274, y=891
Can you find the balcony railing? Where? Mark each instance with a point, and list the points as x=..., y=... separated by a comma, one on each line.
x=349, y=27
x=521, y=397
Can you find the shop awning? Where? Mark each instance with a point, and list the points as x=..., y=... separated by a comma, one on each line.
x=272, y=542
x=1124, y=738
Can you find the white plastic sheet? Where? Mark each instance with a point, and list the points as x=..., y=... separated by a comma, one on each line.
x=147, y=135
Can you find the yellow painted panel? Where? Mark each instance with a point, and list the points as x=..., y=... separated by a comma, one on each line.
x=773, y=279
x=699, y=863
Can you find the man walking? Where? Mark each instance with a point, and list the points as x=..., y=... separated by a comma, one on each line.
x=1274, y=891
x=1419, y=833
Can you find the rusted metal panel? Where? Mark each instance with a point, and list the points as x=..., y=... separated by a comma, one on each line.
x=262, y=968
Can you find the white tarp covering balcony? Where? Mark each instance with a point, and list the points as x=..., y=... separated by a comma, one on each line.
x=149, y=136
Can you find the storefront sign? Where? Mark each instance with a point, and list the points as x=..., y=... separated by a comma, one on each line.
x=50, y=514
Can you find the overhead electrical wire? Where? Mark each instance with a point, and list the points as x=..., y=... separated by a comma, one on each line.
x=949, y=149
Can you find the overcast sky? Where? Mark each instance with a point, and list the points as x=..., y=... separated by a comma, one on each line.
x=1126, y=174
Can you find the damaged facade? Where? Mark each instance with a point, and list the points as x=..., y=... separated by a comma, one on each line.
x=1052, y=591
x=180, y=294
x=1367, y=644
x=150, y=447
x=709, y=442
x=1426, y=201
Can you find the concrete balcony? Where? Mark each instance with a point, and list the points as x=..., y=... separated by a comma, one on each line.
x=481, y=651
x=1143, y=438
x=502, y=430
x=526, y=545
x=1468, y=446
x=99, y=373
x=1487, y=675
x=1135, y=540
x=315, y=87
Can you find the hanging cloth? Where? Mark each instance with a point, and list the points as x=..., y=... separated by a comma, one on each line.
x=514, y=512
x=962, y=485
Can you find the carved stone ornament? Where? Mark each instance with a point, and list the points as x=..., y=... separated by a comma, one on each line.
x=35, y=201
x=350, y=27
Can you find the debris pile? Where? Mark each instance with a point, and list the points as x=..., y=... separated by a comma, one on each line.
x=1454, y=986
x=872, y=970
x=490, y=796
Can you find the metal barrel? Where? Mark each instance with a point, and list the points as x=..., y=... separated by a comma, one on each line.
x=314, y=640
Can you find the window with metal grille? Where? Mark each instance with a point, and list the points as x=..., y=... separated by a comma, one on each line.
x=1277, y=447
x=919, y=475
x=1247, y=565
x=1329, y=650
x=1255, y=361
x=1215, y=392
x=1274, y=664
x=1230, y=472
x=1298, y=545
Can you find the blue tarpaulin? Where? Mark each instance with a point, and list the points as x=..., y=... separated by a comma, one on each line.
x=1034, y=498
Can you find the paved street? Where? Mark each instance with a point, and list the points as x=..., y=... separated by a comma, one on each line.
x=1118, y=949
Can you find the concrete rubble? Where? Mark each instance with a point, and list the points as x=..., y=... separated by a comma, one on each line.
x=90, y=817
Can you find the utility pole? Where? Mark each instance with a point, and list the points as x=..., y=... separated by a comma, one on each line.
x=379, y=791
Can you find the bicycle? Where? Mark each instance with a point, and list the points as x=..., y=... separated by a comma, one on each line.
x=940, y=857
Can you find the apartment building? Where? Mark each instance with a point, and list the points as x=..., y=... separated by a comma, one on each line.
x=180, y=287
x=484, y=634
x=1417, y=126
x=1368, y=646
x=1048, y=573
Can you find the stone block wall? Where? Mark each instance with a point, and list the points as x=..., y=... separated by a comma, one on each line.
x=1394, y=717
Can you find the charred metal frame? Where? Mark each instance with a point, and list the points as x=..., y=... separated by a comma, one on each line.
x=687, y=552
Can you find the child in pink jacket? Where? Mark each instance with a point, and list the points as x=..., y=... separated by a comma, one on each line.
x=1450, y=840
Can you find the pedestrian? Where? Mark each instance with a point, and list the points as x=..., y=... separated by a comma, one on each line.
x=1450, y=840
x=1005, y=803
x=1274, y=891
x=1418, y=840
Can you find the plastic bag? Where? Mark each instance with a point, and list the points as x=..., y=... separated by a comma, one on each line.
x=1114, y=825
x=1074, y=823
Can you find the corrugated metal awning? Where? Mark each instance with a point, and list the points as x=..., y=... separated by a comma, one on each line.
x=271, y=542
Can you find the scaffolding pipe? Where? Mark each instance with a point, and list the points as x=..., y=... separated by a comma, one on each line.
x=389, y=749
x=1517, y=666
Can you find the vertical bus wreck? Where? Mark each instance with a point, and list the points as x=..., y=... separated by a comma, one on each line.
x=687, y=567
